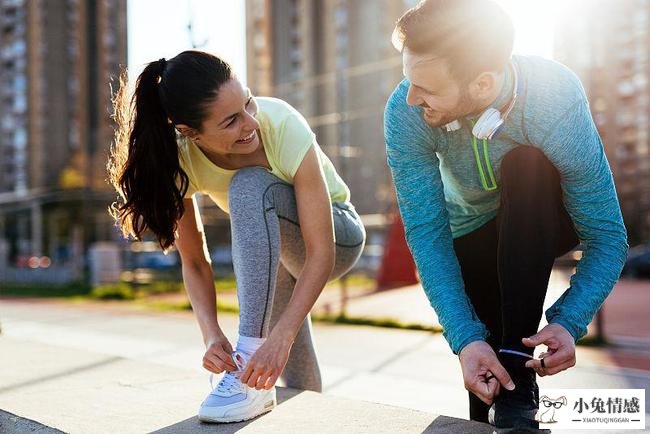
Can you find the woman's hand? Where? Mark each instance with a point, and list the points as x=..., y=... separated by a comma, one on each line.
x=316, y=226
x=217, y=355
x=268, y=362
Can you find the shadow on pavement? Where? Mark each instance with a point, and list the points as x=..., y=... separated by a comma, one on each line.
x=450, y=425
x=193, y=425
x=12, y=424
x=67, y=372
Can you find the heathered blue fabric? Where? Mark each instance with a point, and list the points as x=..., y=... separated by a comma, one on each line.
x=440, y=195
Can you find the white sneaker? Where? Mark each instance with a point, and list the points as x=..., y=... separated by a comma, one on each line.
x=233, y=401
x=492, y=416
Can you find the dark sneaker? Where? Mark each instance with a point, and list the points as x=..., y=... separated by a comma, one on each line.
x=514, y=411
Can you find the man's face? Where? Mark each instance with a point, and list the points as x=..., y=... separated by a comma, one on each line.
x=435, y=90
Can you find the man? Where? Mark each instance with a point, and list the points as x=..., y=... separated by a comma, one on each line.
x=499, y=169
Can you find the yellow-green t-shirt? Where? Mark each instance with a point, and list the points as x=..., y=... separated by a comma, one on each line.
x=286, y=137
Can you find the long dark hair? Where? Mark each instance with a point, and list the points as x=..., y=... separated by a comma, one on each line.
x=144, y=164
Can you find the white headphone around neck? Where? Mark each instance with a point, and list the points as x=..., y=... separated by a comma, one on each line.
x=492, y=119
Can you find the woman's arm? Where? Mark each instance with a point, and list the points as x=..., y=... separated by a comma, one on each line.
x=315, y=216
x=199, y=284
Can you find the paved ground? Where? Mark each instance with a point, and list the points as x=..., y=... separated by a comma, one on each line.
x=297, y=412
x=625, y=314
x=112, y=368
x=107, y=368
x=625, y=310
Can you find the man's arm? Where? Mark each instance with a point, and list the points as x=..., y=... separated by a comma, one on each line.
x=575, y=148
x=416, y=174
x=415, y=169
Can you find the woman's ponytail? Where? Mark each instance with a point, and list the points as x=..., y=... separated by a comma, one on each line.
x=144, y=165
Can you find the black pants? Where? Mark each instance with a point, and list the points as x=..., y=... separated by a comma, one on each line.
x=506, y=263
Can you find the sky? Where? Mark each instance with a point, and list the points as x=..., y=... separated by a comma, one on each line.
x=534, y=22
x=158, y=28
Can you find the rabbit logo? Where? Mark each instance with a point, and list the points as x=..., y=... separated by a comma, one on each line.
x=547, y=408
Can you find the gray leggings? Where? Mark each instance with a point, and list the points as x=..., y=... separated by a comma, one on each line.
x=268, y=254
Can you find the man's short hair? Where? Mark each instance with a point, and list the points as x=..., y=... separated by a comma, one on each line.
x=474, y=36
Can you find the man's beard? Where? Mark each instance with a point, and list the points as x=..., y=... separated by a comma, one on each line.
x=438, y=121
x=465, y=107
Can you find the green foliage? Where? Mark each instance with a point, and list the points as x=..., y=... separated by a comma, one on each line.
x=225, y=284
x=75, y=289
x=128, y=291
x=592, y=341
x=354, y=280
x=375, y=322
x=158, y=287
x=117, y=291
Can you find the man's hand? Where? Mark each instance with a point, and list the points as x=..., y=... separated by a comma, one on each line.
x=482, y=371
x=561, y=352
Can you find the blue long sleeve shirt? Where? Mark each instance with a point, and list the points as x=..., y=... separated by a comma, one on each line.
x=441, y=197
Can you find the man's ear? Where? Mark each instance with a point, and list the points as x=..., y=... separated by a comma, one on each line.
x=482, y=87
x=186, y=131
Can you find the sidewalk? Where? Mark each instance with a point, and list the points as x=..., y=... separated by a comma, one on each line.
x=88, y=393
x=624, y=311
x=110, y=367
x=625, y=315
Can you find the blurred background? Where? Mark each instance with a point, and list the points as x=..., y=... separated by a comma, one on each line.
x=331, y=59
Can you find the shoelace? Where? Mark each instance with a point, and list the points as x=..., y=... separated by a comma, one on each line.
x=516, y=353
x=229, y=383
x=230, y=380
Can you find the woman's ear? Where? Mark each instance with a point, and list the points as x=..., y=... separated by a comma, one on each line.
x=186, y=131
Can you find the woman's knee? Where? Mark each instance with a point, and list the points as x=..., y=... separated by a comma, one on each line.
x=247, y=179
x=250, y=183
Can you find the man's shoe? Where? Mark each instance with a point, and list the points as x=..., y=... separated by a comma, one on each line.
x=514, y=411
x=233, y=401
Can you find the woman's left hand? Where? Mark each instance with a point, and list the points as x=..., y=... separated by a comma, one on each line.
x=268, y=362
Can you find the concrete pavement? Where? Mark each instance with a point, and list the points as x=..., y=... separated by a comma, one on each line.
x=83, y=392
x=109, y=367
x=13, y=424
x=625, y=315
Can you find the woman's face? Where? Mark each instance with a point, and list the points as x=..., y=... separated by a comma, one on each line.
x=230, y=127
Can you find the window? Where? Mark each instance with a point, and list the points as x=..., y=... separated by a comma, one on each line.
x=20, y=103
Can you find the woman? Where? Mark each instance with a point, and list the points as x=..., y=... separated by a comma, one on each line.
x=192, y=127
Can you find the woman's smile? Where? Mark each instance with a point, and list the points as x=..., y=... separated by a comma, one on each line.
x=246, y=140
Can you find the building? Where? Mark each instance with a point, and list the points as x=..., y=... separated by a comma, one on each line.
x=608, y=47
x=57, y=58
x=332, y=60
